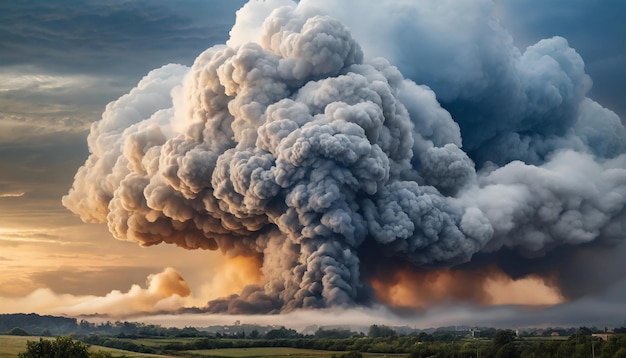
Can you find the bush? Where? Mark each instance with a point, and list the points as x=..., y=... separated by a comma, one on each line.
x=64, y=347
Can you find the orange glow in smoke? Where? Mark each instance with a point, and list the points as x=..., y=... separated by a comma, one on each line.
x=232, y=276
x=486, y=287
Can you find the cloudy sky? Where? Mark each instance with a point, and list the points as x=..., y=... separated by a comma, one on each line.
x=61, y=63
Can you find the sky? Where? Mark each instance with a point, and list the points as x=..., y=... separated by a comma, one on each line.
x=62, y=63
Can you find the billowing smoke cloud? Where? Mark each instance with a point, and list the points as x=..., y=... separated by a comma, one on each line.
x=293, y=146
x=165, y=291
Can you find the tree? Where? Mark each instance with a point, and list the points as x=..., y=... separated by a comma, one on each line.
x=376, y=331
x=282, y=332
x=333, y=333
x=62, y=347
x=508, y=350
x=503, y=337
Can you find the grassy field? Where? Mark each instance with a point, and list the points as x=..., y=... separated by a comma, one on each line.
x=160, y=342
x=10, y=346
x=546, y=339
x=275, y=352
x=259, y=352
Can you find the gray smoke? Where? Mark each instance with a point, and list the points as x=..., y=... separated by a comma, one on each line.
x=297, y=148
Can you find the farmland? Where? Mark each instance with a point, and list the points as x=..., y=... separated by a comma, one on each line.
x=10, y=346
x=128, y=339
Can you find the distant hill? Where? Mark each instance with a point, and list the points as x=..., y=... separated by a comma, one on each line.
x=35, y=324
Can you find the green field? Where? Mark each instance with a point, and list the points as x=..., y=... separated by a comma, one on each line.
x=546, y=339
x=10, y=346
x=159, y=341
x=260, y=352
x=275, y=352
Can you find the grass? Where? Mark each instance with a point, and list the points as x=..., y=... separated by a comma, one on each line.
x=159, y=342
x=119, y=353
x=261, y=352
x=540, y=339
x=10, y=346
x=275, y=352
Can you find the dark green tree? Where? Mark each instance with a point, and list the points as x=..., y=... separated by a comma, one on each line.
x=281, y=332
x=508, y=350
x=502, y=337
x=62, y=347
x=376, y=331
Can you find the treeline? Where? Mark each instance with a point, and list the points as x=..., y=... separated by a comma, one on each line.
x=443, y=342
x=34, y=324
x=53, y=326
x=503, y=344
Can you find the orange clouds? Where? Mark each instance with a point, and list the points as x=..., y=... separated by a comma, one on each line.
x=166, y=291
x=168, y=283
x=231, y=277
x=487, y=286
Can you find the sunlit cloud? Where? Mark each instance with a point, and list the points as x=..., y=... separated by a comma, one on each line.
x=30, y=236
x=165, y=291
x=12, y=194
x=26, y=79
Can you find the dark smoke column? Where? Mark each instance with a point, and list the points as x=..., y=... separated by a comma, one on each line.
x=297, y=150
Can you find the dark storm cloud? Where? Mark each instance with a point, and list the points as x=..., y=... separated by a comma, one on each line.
x=602, y=311
x=594, y=28
x=578, y=271
x=607, y=310
x=112, y=37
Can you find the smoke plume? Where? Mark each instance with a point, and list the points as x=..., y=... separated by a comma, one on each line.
x=294, y=146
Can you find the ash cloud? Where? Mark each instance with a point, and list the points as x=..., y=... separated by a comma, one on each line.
x=296, y=145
